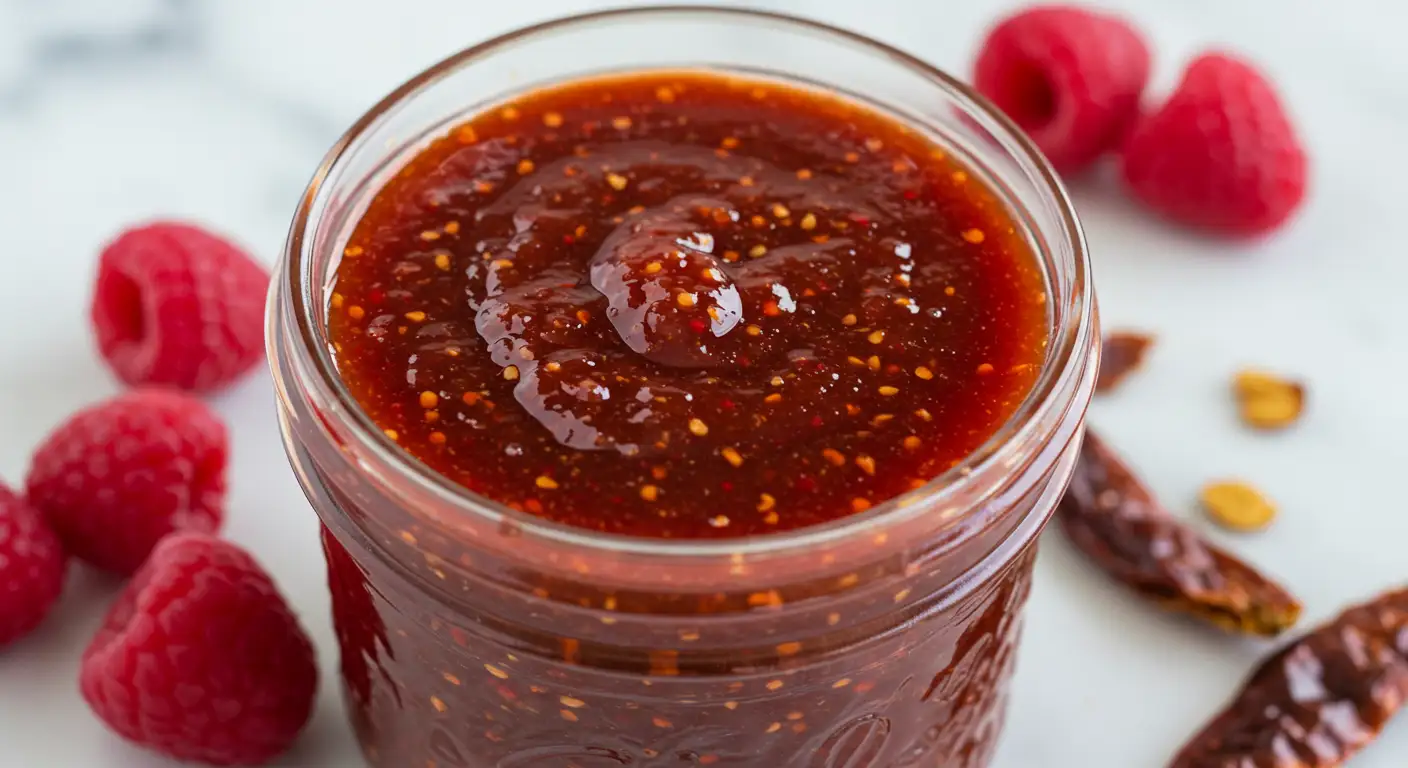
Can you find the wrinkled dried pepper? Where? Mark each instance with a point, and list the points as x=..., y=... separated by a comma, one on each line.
x=1112, y=517
x=1318, y=701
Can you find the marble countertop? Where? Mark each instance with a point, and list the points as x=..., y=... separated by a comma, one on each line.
x=119, y=110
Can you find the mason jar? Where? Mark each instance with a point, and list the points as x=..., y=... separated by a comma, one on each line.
x=476, y=636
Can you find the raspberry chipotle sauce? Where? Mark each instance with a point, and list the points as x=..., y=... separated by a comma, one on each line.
x=687, y=306
x=696, y=331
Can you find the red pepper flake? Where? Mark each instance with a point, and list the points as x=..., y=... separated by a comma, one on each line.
x=1121, y=353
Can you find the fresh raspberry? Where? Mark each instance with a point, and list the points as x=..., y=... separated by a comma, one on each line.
x=32, y=565
x=201, y=659
x=118, y=476
x=1070, y=77
x=178, y=306
x=1221, y=154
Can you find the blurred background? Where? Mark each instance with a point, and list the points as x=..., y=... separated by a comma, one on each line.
x=115, y=111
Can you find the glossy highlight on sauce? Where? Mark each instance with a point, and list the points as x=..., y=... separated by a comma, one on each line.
x=687, y=305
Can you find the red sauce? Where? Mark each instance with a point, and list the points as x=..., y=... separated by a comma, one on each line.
x=684, y=305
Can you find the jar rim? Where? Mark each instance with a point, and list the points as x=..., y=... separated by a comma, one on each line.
x=1061, y=372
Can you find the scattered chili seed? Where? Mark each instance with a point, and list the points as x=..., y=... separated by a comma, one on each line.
x=621, y=123
x=774, y=685
x=496, y=672
x=923, y=413
x=889, y=391
x=391, y=433
x=1267, y=401
x=546, y=483
x=974, y=236
x=574, y=703
x=1237, y=506
x=774, y=728
x=698, y=428
x=866, y=464
x=859, y=504
x=789, y=649
x=754, y=330
x=875, y=337
x=429, y=399
x=437, y=438
x=780, y=211
x=511, y=373
x=356, y=313
x=649, y=492
x=757, y=250
x=438, y=704
x=719, y=521
x=923, y=373
x=732, y=456
x=984, y=369
x=617, y=181
x=416, y=316
x=808, y=222
x=442, y=261
x=849, y=320
x=834, y=456
x=684, y=299
x=552, y=119
x=766, y=501
x=913, y=442
x=352, y=251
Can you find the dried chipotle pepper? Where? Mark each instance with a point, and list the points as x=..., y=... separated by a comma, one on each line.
x=1318, y=701
x=1121, y=353
x=1111, y=516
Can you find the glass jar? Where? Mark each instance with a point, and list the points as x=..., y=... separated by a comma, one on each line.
x=474, y=636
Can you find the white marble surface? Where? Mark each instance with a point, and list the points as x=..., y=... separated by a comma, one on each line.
x=116, y=110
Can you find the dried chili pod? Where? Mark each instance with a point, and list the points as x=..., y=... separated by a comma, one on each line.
x=1111, y=516
x=1318, y=701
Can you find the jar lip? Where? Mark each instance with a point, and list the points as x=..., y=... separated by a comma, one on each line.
x=1061, y=372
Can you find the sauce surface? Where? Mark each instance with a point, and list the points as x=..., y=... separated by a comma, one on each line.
x=687, y=305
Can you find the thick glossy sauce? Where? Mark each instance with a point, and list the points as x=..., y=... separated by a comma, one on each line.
x=686, y=305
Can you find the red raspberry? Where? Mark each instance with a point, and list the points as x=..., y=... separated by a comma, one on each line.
x=32, y=565
x=118, y=476
x=178, y=306
x=1221, y=154
x=201, y=659
x=1070, y=77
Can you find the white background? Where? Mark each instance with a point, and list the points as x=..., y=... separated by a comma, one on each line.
x=118, y=110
